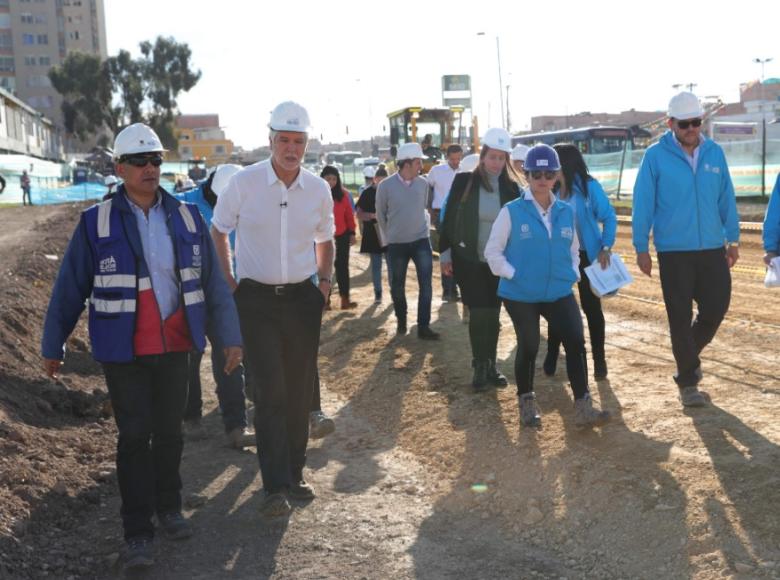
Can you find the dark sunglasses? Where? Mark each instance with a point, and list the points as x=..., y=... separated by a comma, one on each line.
x=142, y=160
x=546, y=174
x=689, y=123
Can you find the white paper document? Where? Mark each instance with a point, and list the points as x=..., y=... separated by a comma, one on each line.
x=606, y=283
x=772, y=279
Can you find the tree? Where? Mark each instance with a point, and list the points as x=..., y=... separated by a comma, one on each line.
x=123, y=90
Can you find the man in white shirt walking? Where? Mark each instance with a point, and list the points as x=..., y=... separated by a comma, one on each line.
x=279, y=211
x=440, y=178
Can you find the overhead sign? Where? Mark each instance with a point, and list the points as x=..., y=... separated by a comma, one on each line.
x=456, y=102
x=455, y=83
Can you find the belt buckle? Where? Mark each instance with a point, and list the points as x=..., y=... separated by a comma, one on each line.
x=279, y=290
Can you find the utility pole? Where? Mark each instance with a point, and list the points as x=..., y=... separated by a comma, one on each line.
x=508, y=116
x=762, y=62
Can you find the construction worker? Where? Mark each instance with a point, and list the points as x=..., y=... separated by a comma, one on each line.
x=110, y=181
x=230, y=387
x=518, y=157
x=533, y=247
x=772, y=225
x=684, y=194
x=25, y=184
x=440, y=179
x=401, y=202
x=472, y=206
x=147, y=265
x=280, y=211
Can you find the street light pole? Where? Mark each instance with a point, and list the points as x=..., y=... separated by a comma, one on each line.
x=500, y=80
x=762, y=62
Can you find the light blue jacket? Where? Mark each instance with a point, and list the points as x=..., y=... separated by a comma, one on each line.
x=772, y=221
x=543, y=264
x=686, y=211
x=592, y=211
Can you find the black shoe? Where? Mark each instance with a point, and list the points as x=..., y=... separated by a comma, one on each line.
x=401, y=329
x=550, y=363
x=175, y=526
x=425, y=333
x=494, y=376
x=301, y=491
x=600, y=369
x=480, y=380
x=138, y=554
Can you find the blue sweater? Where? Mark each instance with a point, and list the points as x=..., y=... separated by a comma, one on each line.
x=772, y=221
x=686, y=211
x=592, y=211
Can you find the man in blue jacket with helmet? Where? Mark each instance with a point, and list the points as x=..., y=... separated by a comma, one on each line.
x=147, y=266
x=684, y=194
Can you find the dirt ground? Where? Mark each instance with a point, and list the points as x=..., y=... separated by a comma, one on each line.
x=423, y=478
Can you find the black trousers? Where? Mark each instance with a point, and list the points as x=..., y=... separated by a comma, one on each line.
x=281, y=331
x=479, y=288
x=702, y=276
x=563, y=317
x=591, y=306
x=341, y=264
x=148, y=397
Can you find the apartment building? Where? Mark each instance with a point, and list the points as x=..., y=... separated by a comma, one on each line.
x=201, y=137
x=38, y=34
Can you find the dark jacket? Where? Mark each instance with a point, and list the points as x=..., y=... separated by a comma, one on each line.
x=460, y=228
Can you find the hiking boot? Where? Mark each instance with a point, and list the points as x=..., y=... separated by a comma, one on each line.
x=194, y=430
x=529, y=412
x=175, y=526
x=302, y=491
x=425, y=333
x=320, y=425
x=346, y=304
x=138, y=554
x=480, y=380
x=586, y=416
x=550, y=363
x=275, y=505
x=494, y=376
x=692, y=397
x=600, y=369
x=239, y=438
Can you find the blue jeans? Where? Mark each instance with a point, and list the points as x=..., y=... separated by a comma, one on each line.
x=376, y=273
x=399, y=255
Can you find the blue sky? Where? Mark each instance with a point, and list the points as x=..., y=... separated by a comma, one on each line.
x=350, y=63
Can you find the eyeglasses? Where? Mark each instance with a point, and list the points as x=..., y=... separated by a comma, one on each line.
x=546, y=174
x=142, y=160
x=689, y=123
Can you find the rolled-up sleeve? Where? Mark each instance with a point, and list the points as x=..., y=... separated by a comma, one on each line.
x=496, y=244
x=225, y=217
x=326, y=226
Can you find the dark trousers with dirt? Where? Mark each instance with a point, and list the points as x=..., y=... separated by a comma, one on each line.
x=702, y=276
x=479, y=289
x=341, y=265
x=280, y=326
x=563, y=318
x=591, y=306
x=148, y=397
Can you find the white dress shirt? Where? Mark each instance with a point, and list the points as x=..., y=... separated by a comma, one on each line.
x=276, y=227
x=499, y=237
x=440, y=178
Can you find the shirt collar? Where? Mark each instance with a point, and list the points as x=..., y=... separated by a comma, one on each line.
x=530, y=197
x=406, y=183
x=155, y=206
x=676, y=140
x=273, y=178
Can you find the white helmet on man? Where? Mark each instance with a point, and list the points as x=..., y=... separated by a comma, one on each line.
x=498, y=138
x=222, y=175
x=289, y=116
x=469, y=163
x=409, y=151
x=519, y=152
x=110, y=180
x=135, y=139
x=685, y=105
x=369, y=171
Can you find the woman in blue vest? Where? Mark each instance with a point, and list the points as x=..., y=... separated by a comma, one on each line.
x=596, y=224
x=533, y=248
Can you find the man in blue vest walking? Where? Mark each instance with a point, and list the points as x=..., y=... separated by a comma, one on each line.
x=148, y=267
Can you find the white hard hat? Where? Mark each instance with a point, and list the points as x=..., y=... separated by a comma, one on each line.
x=469, y=163
x=498, y=138
x=110, y=180
x=519, y=152
x=222, y=175
x=289, y=116
x=685, y=105
x=409, y=151
x=137, y=138
x=369, y=171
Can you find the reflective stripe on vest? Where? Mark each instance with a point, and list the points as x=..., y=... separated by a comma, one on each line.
x=112, y=306
x=144, y=283
x=104, y=219
x=189, y=222
x=114, y=281
x=188, y=274
x=194, y=297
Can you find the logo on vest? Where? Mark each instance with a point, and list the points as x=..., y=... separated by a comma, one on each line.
x=108, y=265
x=566, y=233
x=196, y=257
x=525, y=232
x=711, y=168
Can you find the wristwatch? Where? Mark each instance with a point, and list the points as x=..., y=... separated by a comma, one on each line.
x=606, y=248
x=732, y=245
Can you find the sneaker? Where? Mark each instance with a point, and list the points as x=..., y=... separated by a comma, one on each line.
x=138, y=554
x=194, y=430
x=692, y=397
x=529, y=412
x=239, y=438
x=320, y=425
x=302, y=491
x=377, y=299
x=550, y=363
x=275, y=505
x=494, y=376
x=175, y=526
x=586, y=416
x=425, y=333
